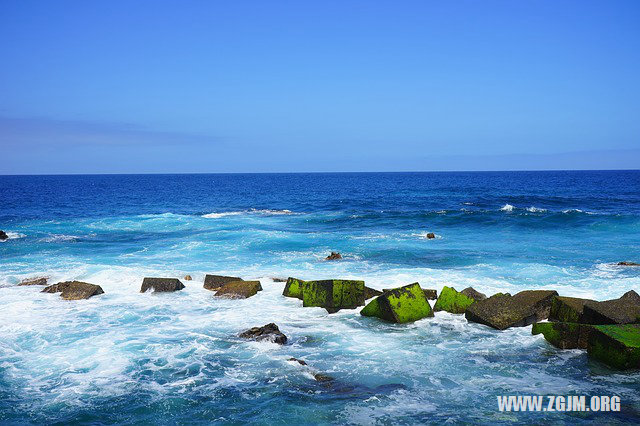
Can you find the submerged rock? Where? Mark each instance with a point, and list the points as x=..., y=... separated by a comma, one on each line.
x=502, y=311
x=431, y=235
x=455, y=302
x=430, y=294
x=239, y=289
x=625, y=310
x=34, y=281
x=161, y=285
x=334, y=256
x=321, y=377
x=564, y=335
x=628, y=264
x=187, y=278
x=617, y=346
x=269, y=332
x=74, y=290
x=3, y=236
x=293, y=288
x=370, y=293
x=567, y=309
x=214, y=282
x=400, y=305
x=333, y=295
x=299, y=361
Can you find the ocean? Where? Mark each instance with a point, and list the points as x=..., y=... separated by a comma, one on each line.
x=129, y=358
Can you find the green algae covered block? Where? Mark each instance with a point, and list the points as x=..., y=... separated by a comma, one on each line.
x=567, y=309
x=333, y=295
x=400, y=305
x=452, y=301
x=618, y=346
x=564, y=335
x=293, y=288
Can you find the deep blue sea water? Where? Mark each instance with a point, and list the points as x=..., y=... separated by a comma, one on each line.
x=127, y=357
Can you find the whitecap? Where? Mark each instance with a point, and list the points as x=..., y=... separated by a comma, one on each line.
x=217, y=215
x=534, y=209
x=507, y=208
x=55, y=238
x=567, y=211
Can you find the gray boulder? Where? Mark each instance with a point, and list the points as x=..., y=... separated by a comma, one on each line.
x=74, y=290
x=502, y=311
x=161, y=285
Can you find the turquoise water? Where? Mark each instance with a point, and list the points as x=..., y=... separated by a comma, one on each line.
x=126, y=357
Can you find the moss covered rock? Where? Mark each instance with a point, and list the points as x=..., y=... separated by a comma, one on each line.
x=625, y=310
x=567, y=309
x=74, y=290
x=371, y=293
x=451, y=300
x=214, y=282
x=618, y=346
x=400, y=305
x=239, y=289
x=161, y=285
x=333, y=295
x=293, y=288
x=502, y=311
x=564, y=335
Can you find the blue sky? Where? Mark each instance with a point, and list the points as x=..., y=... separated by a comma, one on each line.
x=275, y=86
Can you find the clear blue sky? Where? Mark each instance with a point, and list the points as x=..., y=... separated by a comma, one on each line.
x=261, y=86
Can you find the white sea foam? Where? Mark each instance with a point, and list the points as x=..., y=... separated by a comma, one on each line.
x=55, y=238
x=266, y=212
x=507, y=208
x=534, y=209
x=13, y=236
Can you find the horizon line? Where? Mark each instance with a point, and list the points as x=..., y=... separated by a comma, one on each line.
x=319, y=172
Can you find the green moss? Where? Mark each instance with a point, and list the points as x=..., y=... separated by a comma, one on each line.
x=372, y=309
x=567, y=309
x=333, y=294
x=400, y=305
x=618, y=346
x=293, y=288
x=547, y=330
x=452, y=301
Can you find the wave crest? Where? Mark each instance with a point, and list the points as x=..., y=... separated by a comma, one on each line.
x=265, y=212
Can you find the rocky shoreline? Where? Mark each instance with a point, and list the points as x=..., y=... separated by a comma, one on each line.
x=608, y=330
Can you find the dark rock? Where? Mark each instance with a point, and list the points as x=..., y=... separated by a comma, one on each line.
x=370, y=293
x=400, y=305
x=214, y=282
x=187, y=278
x=334, y=256
x=278, y=280
x=567, y=309
x=293, y=288
x=321, y=377
x=239, y=289
x=299, y=361
x=625, y=310
x=34, y=281
x=269, y=332
x=333, y=295
x=430, y=294
x=618, y=346
x=431, y=235
x=3, y=236
x=161, y=285
x=564, y=335
x=628, y=264
x=474, y=294
x=74, y=290
x=502, y=311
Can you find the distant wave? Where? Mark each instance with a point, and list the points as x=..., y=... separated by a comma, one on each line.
x=55, y=238
x=266, y=212
x=507, y=208
x=13, y=236
x=534, y=209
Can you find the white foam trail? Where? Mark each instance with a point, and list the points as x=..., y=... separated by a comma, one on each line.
x=507, y=208
x=244, y=212
x=13, y=236
x=54, y=238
